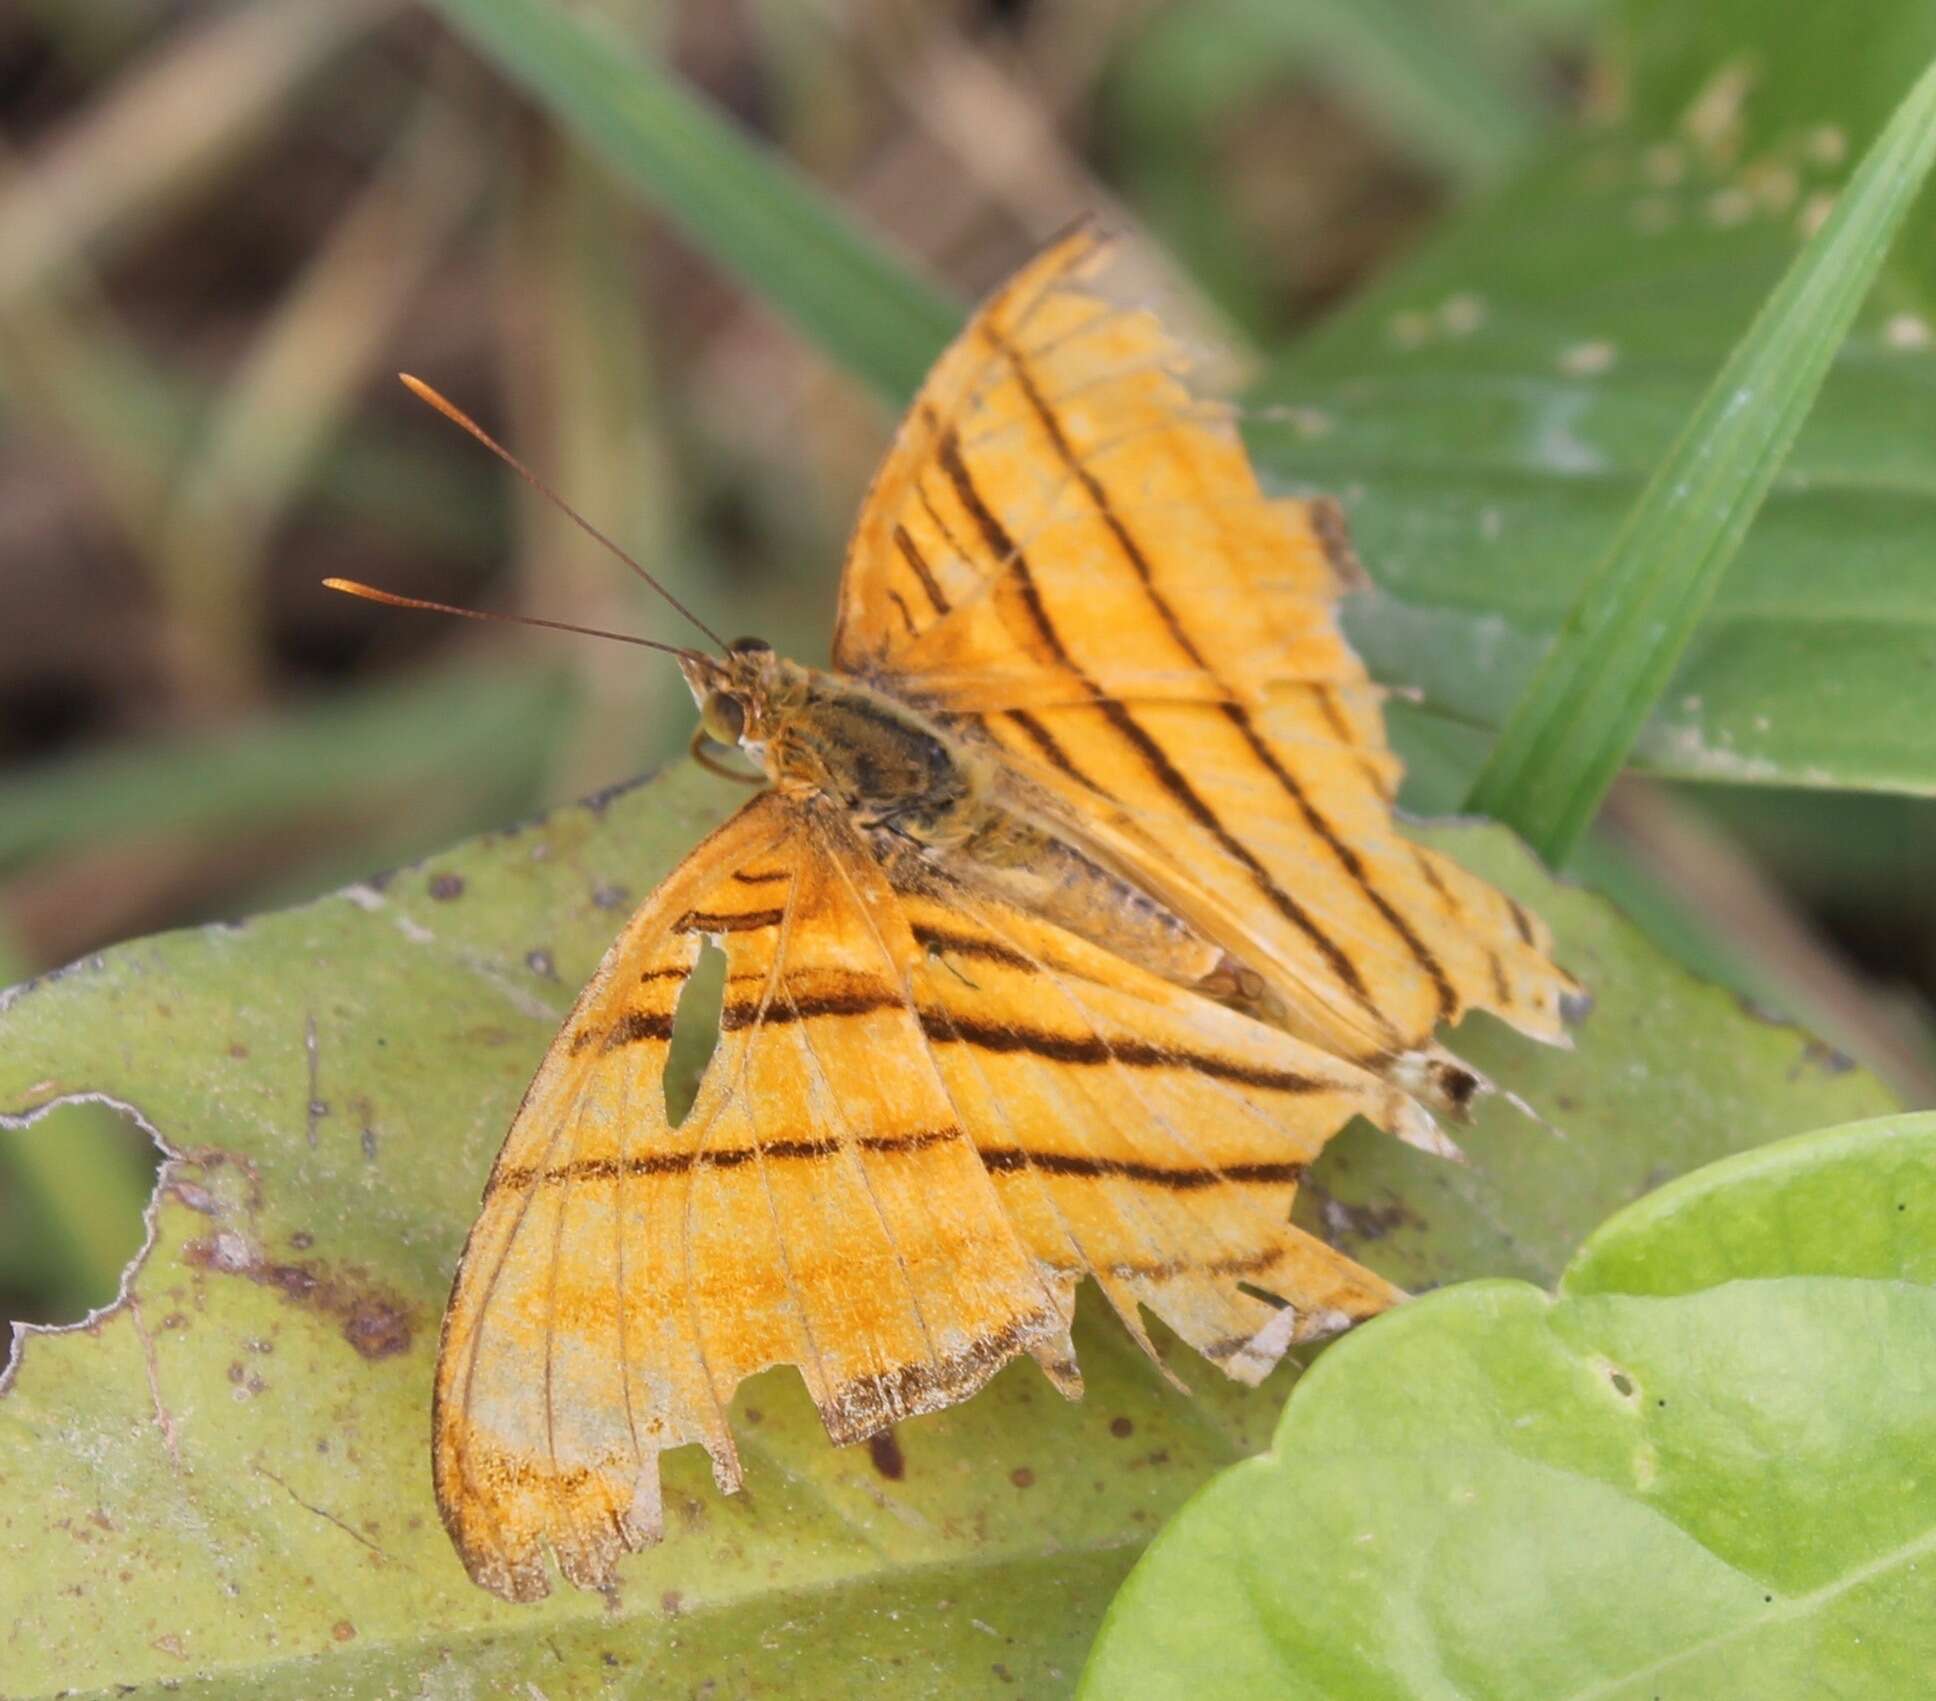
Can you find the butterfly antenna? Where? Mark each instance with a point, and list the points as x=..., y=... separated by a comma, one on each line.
x=457, y=416
x=369, y=593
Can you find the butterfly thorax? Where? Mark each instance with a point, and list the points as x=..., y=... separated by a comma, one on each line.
x=924, y=793
x=817, y=734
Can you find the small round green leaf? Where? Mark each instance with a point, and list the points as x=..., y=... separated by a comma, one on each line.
x=1701, y=1471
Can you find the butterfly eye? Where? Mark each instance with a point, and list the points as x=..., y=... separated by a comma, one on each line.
x=724, y=718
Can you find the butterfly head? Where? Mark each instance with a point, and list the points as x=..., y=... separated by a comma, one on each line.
x=739, y=694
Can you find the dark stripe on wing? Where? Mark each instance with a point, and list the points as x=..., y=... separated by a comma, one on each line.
x=920, y=569
x=976, y=945
x=716, y=1157
x=803, y=1007
x=1522, y=922
x=1236, y=1264
x=945, y=1027
x=741, y=921
x=1182, y=1178
x=1050, y=746
x=637, y=1025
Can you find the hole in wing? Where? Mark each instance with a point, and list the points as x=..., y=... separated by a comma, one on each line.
x=695, y=1031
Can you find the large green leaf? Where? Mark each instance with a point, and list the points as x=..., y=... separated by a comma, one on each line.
x=1568, y=737
x=1493, y=410
x=224, y=1481
x=1701, y=1471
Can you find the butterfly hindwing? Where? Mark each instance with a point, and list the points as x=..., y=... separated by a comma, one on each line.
x=1138, y=1133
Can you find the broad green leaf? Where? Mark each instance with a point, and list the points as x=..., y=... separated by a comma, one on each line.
x=1569, y=734
x=1493, y=410
x=1701, y=1470
x=750, y=210
x=226, y=1478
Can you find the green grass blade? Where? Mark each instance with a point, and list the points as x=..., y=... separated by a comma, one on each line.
x=747, y=209
x=1568, y=736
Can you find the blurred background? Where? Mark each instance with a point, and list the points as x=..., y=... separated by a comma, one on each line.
x=225, y=227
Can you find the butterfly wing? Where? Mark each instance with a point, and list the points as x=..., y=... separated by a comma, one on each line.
x=1068, y=552
x=820, y=1205
x=1136, y=1132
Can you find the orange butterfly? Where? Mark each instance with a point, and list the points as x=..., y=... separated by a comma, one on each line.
x=1072, y=924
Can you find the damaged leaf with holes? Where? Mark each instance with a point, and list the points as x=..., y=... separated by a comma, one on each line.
x=226, y=1477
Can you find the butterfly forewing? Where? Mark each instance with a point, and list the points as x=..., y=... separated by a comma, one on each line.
x=820, y=1205
x=1073, y=556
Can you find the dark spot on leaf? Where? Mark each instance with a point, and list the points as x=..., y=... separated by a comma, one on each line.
x=369, y=1144
x=375, y=1321
x=342, y=1630
x=293, y=1280
x=1623, y=1385
x=377, y=1329
x=236, y=1372
x=1002, y=1672
x=601, y=799
x=1827, y=1058
x=538, y=961
x=238, y=1050
x=670, y=1602
x=1344, y=1221
x=302, y=1240
x=886, y=1453
x=610, y=897
x=754, y=1414
x=445, y=887
x=1022, y=1477
x=610, y=1658
x=1121, y=1427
